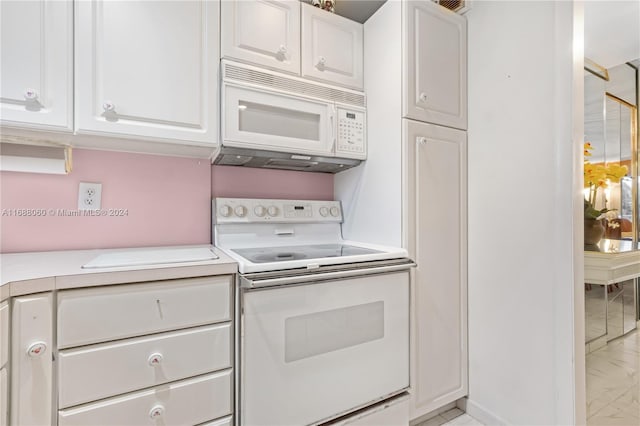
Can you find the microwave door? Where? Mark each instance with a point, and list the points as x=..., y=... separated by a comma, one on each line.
x=277, y=122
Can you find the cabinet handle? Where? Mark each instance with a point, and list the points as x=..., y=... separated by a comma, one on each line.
x=421, y=140
x=108, y=106
x=282, y=50
x=36, y=349
x=156, y=412
x=30, y=95
x=321, y=61
x=423, y=97
x=155, y=359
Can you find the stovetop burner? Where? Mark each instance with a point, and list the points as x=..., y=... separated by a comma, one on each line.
x=283, y=254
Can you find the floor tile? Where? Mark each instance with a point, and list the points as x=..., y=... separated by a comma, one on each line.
x=613, y=383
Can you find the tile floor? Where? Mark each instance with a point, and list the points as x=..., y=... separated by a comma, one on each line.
x=453, y=417
x=613, y=383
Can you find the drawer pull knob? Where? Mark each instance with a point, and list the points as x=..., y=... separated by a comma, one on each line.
x=155, y=359
x=30, y=95
x=37, y=349
x=108, y=106
x=322, y=61
x=423, y=97
x=156, y=412
x=421, y=140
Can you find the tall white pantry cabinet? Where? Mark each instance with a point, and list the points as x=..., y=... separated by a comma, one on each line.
x=412, y=190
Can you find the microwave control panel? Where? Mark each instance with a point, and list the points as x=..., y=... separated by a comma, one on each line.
x=351, y=133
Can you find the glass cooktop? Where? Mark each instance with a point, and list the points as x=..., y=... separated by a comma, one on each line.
x=283, y=254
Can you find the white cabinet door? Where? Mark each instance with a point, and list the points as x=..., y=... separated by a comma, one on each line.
x=36, y=64
x=264, y=32
x=3, y=397
x=4, y=333
x=31, y=360
x=332, y=48
x=435, y=69
x=147, y=69
x=437, y=228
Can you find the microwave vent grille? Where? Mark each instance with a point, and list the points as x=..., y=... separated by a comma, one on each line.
x=291, y=85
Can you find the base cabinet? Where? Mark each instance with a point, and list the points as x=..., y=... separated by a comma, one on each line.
x=32, y=360
x=3, y=397
x=436, y=199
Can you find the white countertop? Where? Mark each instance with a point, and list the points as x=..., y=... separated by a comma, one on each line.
x=25, y=273
x=616, y=261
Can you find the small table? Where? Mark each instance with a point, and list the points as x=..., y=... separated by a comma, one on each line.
x=610, y=291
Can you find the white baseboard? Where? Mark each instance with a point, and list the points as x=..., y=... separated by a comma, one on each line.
x=480, y=413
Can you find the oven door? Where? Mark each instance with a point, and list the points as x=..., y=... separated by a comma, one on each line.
x=271, y=121
x=311, y=352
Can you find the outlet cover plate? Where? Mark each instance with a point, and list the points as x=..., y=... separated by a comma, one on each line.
x=89, y=196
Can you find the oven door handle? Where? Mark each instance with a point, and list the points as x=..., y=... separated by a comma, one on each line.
x=322, y=276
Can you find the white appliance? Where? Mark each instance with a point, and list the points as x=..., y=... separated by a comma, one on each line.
x=324, y=323
x=274, y=120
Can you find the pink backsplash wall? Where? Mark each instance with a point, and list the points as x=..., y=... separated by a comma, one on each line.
x=229, y=181
x=168, y=200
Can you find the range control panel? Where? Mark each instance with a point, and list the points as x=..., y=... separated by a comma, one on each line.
x=257, y=210
x=351, y=133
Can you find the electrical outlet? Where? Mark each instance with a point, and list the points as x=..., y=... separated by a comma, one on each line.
x=89, y=196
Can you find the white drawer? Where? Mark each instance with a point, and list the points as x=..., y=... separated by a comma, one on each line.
x=3, y=397
x=101, y=314
x=108, y=369
x=4, y=333
x=188, y=402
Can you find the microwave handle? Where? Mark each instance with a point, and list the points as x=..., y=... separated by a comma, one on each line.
x=333, y=127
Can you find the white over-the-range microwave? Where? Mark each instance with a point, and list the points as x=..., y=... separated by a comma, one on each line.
x=273, y=120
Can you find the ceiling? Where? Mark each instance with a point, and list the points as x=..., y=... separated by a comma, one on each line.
x=611, y=31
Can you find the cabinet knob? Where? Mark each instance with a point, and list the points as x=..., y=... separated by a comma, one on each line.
x=421, y=140
x=36, y=349
x=321, y=62
x=282, y=50
x=423, y=97
x=156, y=412
x=155, y=359
x=108, y=106
x=30, y=95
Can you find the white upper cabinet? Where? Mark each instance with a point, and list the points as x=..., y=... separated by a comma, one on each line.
x=263, y=32
x=37, y=64
x=435, y=65
x=147, y=69
x=332, y=48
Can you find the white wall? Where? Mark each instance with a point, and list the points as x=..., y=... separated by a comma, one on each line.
x=523, y=190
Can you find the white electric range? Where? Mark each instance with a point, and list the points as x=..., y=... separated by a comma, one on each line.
x=324, y=322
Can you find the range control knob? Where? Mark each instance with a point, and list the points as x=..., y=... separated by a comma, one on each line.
x=324, y=211
x=273, y=211
x=335, y=212
x=240, y=211
x=224, y=210
x=259, y=211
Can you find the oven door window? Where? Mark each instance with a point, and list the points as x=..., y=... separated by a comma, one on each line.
x=321, y=332
x=271, y=121
x=311, y=352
